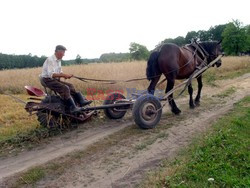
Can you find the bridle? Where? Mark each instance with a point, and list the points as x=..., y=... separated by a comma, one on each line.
x=205, y=56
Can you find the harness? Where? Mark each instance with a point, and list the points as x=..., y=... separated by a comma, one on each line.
x=203, y=53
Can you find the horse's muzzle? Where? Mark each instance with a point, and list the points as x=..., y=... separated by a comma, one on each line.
x=218, y=63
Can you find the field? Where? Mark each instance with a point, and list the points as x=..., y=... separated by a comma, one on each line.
x=121, y=151
x=13, y=81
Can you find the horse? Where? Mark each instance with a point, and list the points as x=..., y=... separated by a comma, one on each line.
x=176, y=62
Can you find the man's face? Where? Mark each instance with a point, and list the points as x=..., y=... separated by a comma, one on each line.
x=59, y=54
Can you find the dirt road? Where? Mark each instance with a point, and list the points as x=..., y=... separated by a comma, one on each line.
x=124, y=164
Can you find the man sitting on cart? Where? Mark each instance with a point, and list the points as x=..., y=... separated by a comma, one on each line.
x=51, y=74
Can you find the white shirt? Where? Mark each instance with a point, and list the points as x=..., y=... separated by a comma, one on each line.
x=50, y=66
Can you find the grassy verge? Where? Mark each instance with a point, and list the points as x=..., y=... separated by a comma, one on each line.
x=226, y=93
x=232, y=67
x=218, y=159
x=30, y=178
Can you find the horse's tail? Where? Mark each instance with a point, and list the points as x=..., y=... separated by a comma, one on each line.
x=152, y=67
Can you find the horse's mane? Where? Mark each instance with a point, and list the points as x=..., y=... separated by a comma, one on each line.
x=209, y=46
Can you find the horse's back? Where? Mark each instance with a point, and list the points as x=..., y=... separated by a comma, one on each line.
x=169, y=57
x=172, y=61
x=169, y=48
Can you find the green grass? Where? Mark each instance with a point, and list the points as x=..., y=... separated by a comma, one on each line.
x=232, y=67
x=210, y=79
x=226, y=93
x=222, y=156
x=30, y=177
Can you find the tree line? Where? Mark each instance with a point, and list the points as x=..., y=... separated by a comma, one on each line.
x=20, y=61
x=235, y=39
x=234, y=35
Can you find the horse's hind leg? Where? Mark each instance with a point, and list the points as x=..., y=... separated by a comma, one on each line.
x=190, y=91
x=152, y=85
x=174, y=108
x=197, y=98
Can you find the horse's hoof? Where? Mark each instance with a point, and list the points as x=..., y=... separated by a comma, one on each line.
x=176, y=111
x=197, y=103
x=192, y=106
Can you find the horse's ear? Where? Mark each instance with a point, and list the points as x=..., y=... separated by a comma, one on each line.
x=219, y=41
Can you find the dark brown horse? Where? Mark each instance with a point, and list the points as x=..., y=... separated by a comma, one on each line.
x=179, y=63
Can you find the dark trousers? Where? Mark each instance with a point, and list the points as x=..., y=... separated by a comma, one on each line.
x=64, y=89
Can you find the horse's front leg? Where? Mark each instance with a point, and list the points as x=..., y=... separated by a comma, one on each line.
x=174, y=108
x=152, y=85
x=197, y=98
x=190, y=91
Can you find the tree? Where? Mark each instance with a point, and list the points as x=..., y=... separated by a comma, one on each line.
x=180, y=41
x=78, y=59
x=20, y=61
x=216, y=32
x=190, y=35
x=203, y=35
x=248, y=39
x=138, y=51
x=234, y=38
x=114, y=57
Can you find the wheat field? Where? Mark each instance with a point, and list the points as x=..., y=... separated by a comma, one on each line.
x=13, y=81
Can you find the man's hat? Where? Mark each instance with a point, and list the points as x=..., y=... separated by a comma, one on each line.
x=60, y=47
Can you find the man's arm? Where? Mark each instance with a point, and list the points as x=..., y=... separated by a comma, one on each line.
x=61, y=75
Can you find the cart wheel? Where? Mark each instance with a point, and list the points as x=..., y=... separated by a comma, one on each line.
x=114, y=113
x=147, y=111
x=51, y=119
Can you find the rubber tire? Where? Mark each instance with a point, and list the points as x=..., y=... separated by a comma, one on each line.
x=110, y=99
x=138, y=107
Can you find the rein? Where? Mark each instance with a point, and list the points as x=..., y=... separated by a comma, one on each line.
x=135, y=79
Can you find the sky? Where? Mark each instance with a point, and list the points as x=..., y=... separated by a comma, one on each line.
x=93, y=27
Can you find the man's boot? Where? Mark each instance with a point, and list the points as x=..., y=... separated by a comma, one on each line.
x=80, y=99
x=71, y=106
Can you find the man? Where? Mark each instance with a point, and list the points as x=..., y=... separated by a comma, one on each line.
x=51, y=74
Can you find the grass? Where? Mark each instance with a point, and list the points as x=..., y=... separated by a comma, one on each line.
x=226, y=93
x=232, y=67
x=150, y=139
x=30, y=177
x=17, y=128
x=14, y=119
x=221, y=158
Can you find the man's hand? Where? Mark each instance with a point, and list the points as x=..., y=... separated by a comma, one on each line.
x=68, y=76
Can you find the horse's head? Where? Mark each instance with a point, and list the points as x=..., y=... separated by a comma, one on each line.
x=213, y=49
